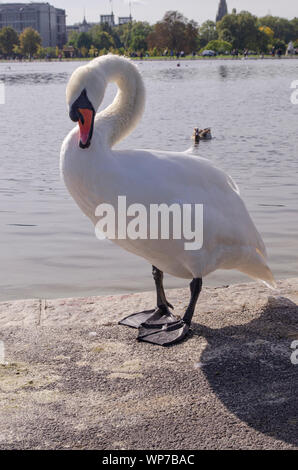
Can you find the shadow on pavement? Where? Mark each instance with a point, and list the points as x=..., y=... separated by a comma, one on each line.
x=249, y=368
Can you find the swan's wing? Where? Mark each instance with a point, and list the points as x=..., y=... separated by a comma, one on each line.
x=231, y=239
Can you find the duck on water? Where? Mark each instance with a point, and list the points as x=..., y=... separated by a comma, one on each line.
x=201, y=134
x=95, y=173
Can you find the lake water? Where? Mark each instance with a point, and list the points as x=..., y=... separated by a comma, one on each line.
x=48, y=248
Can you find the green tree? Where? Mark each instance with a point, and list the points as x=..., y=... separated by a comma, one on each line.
x=84, y=40
x=294, y=23
x=84, y=51
x=207, y=32
x=50, y=52
x=41, y=52
x=93, y=52
x=268, y=31
x=264, y=39
x=102, y=39
x=242, y=31
x=279, y=44
x=138, y=34
x=73, y=39
x=219, y=46
x=96, y=31
x=30, y=40
x=172, y=33
x=192, y=36
x=8, y=39
x=169, y=33
x=124, y=34
x=283, y=29
x=17, y=50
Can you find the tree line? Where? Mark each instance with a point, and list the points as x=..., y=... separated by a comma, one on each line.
x=174, y=33
x=13, y=44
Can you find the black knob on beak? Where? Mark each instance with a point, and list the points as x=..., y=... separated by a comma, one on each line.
x=82, y=102
x=73, y=114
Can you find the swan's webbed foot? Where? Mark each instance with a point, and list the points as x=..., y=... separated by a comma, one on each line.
x=136, y=319
x=168, y=329
x=160, y=326
x=161, y=315
x=164, y=333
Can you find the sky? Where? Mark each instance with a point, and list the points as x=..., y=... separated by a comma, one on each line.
x=153, y=10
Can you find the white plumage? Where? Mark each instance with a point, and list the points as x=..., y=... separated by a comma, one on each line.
x=99, y=174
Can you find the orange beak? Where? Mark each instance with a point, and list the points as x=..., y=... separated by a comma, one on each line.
x=86, y=122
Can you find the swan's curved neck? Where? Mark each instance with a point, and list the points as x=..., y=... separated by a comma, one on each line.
x=121, y=117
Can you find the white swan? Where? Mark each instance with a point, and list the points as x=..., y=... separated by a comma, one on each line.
x=95, y=174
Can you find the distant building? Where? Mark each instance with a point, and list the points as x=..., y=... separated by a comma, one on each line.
x=222, y=10
x=49, y=21
x=74, y=28
x=61, y=27
x=69, y=51
x=83, y=27
x=124, y=20
x=108, y=19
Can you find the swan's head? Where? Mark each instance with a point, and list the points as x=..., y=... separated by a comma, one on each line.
x=84, y=94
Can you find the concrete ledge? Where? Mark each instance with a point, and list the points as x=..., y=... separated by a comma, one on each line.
x=75, y=379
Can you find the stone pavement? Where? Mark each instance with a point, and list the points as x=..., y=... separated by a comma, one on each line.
x=74, y=379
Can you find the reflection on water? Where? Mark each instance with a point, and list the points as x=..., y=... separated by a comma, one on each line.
x=48, y=248
x=32, y=78
x=223, y=71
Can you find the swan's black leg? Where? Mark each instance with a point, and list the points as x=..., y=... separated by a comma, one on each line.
x=161, y=296
x=167, y=334
x=160, y=315
x=195, y=290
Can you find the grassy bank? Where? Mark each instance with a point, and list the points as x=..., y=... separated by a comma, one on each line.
x=162, y=58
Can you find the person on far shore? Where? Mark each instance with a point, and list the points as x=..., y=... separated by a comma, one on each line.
x=245, y=53
x=279, y=53
x=273, y=52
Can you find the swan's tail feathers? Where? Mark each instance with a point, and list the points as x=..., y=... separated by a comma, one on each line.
x=257, y=268
x=268, y=278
